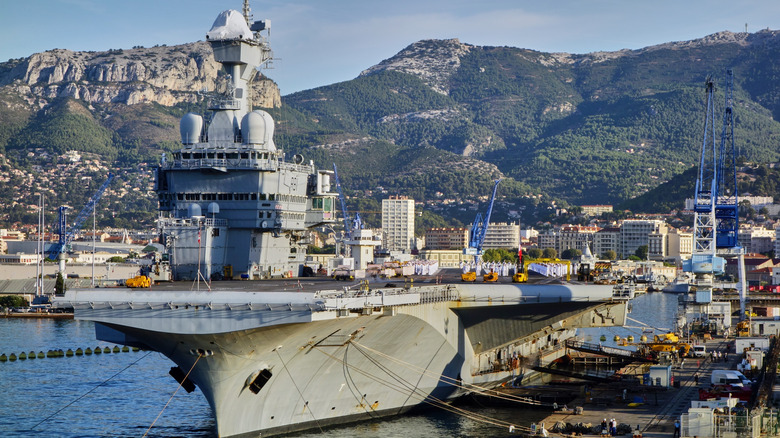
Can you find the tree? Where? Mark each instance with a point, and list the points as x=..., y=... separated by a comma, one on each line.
x=533, y=253
x=13, y=301
x=549, y=253
x=499, y=255
x=59, y=285
x=609, y=255
x=571, y=253
x=641, y=252
x=116, y=259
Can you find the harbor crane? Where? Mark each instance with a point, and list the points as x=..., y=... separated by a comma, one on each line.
x=350, y=223
x=477, y=235
x=67, y=233
x=716, y=219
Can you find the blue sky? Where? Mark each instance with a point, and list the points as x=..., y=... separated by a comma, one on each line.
x=320, y=42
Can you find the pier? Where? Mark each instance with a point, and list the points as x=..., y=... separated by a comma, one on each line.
x=649, y=409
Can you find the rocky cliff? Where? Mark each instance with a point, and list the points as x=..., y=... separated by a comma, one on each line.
x=163, y=75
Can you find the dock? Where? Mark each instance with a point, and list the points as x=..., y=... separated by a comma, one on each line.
x=650, y=409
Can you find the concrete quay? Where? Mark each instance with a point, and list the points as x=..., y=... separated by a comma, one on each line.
x=655, y=417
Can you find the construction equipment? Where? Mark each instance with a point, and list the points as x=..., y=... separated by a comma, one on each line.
x=470, y=276
x=490, y=277
x=522, y=276
x=666, y=343
x=743, y=328
x=67, y=234
x=478, y=232
x=139, y=281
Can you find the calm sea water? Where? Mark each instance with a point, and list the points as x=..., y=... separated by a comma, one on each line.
x=656, y=310
x=121, y=395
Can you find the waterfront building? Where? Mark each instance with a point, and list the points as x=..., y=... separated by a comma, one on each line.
x=398, y=223
x=753, y=262
x=502, y=235
x=446, y=238
x=575, y=237
x=756, y=239
x=679, y=245
x=657, y=246
x=447, y=258
x=636, y=232
x=548, y=239
x=606, y=239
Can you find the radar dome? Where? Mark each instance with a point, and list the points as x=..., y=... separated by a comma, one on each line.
x=194, y=210
x=190, y=127
x=229, y=25
x=257, y=128
x=213, y=208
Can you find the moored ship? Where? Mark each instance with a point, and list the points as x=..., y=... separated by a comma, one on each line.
x=275, y=356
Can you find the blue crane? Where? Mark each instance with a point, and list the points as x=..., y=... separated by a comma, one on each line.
x=66, y=234
x=727, y=203
x=350, y=224
x=479, y=228
x=703, y=258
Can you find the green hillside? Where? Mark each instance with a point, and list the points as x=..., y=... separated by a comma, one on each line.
x=623, y=128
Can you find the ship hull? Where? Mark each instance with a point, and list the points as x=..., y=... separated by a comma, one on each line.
x=313, y=362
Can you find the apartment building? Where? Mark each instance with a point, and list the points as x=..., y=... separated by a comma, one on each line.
x=446, y=238
x=398, y=223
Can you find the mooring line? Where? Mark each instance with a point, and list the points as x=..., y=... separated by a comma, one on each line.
x=88, y=392
x=173, y=395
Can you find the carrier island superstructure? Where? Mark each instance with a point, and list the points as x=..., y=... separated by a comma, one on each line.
x=275, y=356
x=230, y=205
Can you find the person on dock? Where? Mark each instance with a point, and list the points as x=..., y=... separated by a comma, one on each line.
x=604, y=429
x=613, y=427
x=676, y=428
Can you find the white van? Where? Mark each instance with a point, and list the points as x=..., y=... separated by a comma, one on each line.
x=699, y=351
x=729, y=377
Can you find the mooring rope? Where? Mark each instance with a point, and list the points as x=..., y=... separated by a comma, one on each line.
x=427, y=398
x=88, y=392
x=454, y=382
x=173, y=395
x=300, y=394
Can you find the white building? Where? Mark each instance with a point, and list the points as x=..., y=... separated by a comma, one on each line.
x=575, y=237
x=398, y=223
x=679, y=245
x=756, y=239
x=755, y=201
x=362, y=246
x=606, y=239
x=636, y=232
x=502, y=235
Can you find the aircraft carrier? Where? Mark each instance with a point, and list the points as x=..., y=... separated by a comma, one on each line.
x=281, y=355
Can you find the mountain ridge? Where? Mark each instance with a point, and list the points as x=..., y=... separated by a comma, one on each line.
x=586, y=128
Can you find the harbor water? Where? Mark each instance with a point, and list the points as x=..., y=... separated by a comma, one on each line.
x=655, y=310
x=122, y=395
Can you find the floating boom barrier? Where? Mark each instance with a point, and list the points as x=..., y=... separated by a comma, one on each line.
x=13, y=357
